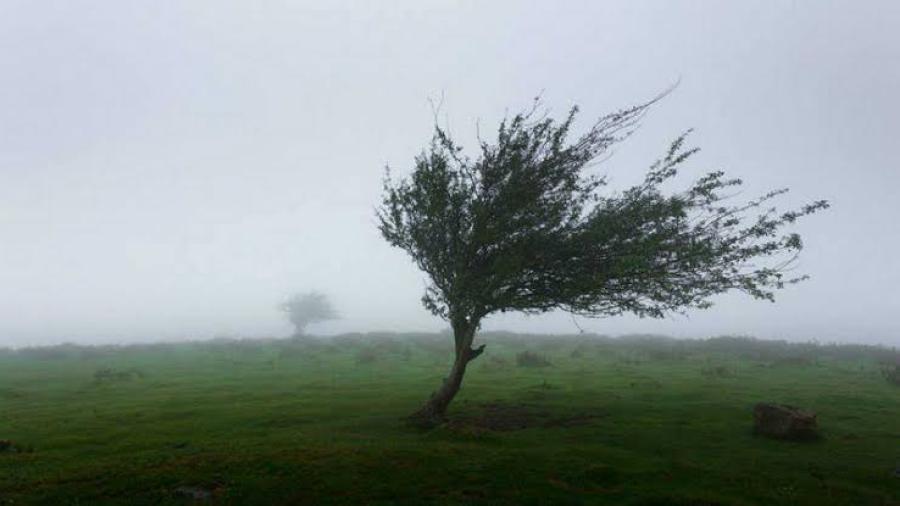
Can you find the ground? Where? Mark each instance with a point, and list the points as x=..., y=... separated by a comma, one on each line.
x=634, y=421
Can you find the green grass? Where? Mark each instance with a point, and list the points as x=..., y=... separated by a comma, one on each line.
x=286, y=422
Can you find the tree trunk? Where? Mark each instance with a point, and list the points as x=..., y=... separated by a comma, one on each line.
x=434, y=411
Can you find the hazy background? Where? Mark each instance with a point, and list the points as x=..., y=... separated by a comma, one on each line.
x=171, y=170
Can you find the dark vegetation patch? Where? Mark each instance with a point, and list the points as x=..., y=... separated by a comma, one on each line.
x=498, y=416
x=646, y=383
x=7, y=446
x=636, y=347
x=891, y=374
x=303, y=347
x=366, y=356
x=531, y=359
x=111, y=375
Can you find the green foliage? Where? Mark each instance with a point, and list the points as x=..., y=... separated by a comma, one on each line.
x=303, y=309
x=523, y=227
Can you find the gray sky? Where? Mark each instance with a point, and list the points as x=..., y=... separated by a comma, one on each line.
x=171, y=170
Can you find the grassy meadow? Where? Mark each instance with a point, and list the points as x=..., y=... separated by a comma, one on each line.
x=578, y=420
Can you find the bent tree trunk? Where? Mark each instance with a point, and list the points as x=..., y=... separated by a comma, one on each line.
x=435, y=409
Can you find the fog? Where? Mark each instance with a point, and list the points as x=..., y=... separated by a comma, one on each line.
x=173, y=170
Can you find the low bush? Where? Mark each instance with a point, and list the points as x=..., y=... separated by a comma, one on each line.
x=531, y=359
x=108, y=374
x=366, y=356
x=892, y=374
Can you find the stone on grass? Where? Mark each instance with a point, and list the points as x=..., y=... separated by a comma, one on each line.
x=780, y=421
x=8, y=446
x=195, y=493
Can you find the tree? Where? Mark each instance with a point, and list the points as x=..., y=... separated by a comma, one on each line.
x=305, y=308
x=523, y=227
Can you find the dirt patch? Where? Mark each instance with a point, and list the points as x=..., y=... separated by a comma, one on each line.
x=506, y=417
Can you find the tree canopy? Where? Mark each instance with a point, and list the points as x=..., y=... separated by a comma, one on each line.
x=524, y=226
x=303, y=309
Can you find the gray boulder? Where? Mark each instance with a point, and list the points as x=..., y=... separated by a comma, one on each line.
x=780, y=421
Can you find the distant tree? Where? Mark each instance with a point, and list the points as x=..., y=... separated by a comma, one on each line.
x=303, y=309
x=522, y=227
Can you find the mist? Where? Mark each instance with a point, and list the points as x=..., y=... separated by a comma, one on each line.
x=173, y=171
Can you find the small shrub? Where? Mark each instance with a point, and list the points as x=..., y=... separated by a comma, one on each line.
x=7, y=446
x=544, y=385
x=366, y=356
x=531, y=359
x=892, y=374
x=108, y=374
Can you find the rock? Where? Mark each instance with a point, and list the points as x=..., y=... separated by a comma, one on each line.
x=780, y=421
x=8, y=446
x=195, y=493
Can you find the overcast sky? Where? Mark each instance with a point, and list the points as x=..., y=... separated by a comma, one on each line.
x=171, y=170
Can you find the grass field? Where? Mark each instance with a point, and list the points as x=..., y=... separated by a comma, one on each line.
x=609, y=421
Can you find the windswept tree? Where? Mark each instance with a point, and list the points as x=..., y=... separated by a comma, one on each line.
x=303, y=309
x=524, y=227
